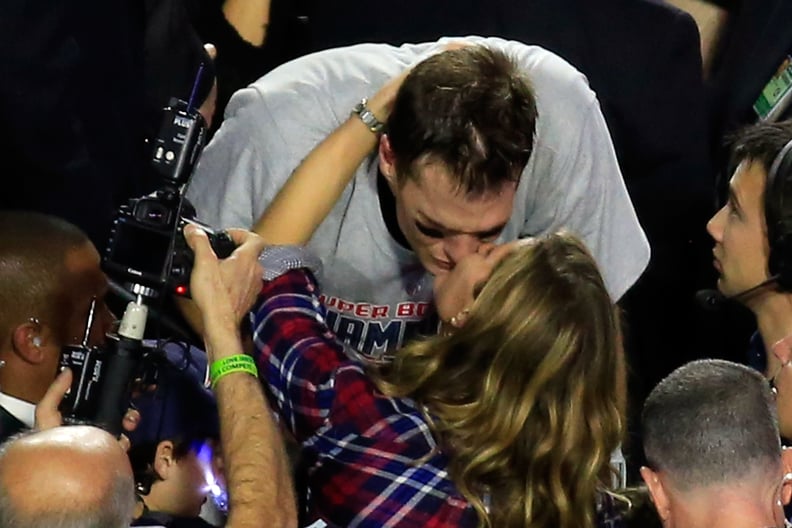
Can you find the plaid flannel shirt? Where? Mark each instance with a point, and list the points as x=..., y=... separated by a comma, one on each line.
x=363, y=449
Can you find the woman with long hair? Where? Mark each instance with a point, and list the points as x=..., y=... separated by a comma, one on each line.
x=507, y=418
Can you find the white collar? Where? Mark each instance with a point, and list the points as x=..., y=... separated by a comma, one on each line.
x=23, y=411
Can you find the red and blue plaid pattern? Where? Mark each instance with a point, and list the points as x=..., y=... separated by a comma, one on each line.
x=363, y=449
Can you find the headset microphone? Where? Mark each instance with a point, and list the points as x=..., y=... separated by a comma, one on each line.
x=778, y=219
x=714, y=300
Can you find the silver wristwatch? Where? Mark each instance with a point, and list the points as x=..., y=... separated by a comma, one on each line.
x=367, y=116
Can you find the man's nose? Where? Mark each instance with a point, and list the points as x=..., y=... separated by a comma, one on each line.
x=715, y=225
x=458, y=247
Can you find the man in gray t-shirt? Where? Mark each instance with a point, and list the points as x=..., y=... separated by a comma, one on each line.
x=478, y=149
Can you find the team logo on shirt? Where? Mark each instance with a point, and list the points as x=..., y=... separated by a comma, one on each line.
x=374, y=330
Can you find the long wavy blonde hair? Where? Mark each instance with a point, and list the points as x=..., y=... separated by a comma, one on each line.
x=528, y=398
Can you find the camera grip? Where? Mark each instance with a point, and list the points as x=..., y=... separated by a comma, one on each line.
x=118, y=375
x=222, y=244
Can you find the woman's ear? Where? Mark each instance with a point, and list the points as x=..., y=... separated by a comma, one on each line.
x=164, y=459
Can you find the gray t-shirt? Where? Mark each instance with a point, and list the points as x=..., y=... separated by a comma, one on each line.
x=376, y=291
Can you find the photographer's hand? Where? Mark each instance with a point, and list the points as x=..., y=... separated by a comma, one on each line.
x=242, y=271
x=224, y=290
x=240, y=274
x=258, y=474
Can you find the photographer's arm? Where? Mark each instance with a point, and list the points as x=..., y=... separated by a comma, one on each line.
x=257, y=470
x=317, y=183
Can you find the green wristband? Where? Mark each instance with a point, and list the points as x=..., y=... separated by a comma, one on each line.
x=237, y=363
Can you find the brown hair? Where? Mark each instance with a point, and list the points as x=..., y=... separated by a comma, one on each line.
x=469, y=109
x=528, y=397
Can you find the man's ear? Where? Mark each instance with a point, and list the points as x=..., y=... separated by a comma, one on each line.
x=164, y=459
x=387, y=160
x=657, y=491
x=30, y=341
x=782, y=353
x=786, y=484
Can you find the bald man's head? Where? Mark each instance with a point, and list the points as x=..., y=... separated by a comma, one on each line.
x=71, y=476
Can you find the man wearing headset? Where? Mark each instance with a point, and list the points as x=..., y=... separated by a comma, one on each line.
x=753, y=250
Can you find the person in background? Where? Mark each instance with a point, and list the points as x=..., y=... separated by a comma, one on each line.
x=752, y=252
x=713, y=450
x=172, y=449
x=52, y=293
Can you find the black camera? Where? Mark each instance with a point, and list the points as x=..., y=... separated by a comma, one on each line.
x=87, y=366
x=102, y=376
x=102, y=382
x=148, y=254
x=147, y=251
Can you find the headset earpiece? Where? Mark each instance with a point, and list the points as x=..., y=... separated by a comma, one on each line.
x=778, y=217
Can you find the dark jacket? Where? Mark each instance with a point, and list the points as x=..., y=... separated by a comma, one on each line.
x=9, y=426
x=758, y=37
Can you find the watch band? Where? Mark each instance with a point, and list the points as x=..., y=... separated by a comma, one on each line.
x=367, y=116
